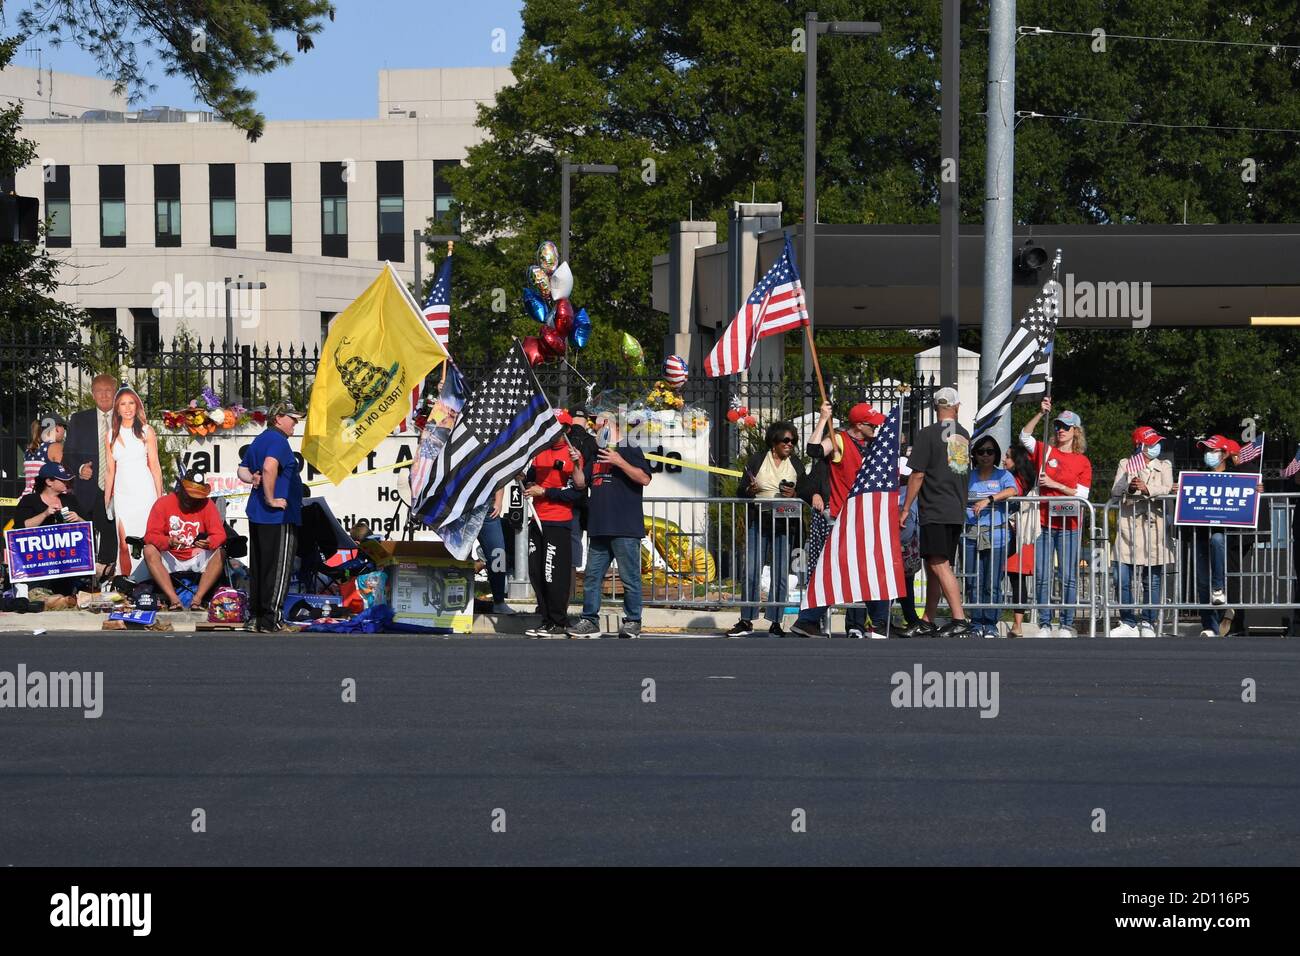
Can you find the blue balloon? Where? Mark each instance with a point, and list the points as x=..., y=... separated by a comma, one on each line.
x=581, y=329
x=535, y=305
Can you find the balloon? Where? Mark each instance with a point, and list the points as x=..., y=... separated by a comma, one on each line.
x=553, y=341
x=676, y=370
x=536, y=305
x=540, y=279
x=548, y=256
x=561, y=281
x=563, y=316
x=751, y=421
x=581, y=333
x=632, y=350
x=533, y=349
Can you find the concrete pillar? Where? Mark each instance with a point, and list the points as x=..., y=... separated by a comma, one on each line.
x=968, y=381
x=684, y=238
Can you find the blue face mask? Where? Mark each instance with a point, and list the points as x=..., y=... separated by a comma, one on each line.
x=1212, y=459
x=1153, y=451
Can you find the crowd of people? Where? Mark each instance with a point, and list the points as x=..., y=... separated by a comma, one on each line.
x=959, y=498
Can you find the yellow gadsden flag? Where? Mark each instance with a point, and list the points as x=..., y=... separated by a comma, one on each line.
x=379, y=348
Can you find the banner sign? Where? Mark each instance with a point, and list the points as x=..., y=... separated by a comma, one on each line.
x=1217, y=499
x=50, y=551
x=143, y=618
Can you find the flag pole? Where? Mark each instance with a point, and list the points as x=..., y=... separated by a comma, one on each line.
x=1051, y=360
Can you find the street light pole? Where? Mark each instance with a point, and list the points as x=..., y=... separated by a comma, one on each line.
x=812, y=27
x=567, y=169
x=228, y=385
x=420, y=236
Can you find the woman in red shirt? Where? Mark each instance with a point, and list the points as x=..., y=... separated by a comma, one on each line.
x=554, y=482
x=1066, y=472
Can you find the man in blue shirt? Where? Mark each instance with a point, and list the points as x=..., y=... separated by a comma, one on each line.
x=274, y=514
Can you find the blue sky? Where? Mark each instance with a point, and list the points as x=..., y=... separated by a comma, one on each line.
x=338, y=79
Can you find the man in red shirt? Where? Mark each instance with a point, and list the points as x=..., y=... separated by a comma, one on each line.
x=184, y=533
x=554, y=482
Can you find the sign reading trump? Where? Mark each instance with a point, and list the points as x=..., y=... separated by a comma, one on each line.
x=50, y=551
x=1217, y=498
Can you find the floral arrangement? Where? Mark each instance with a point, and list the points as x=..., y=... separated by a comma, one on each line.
x=206, y=414
x=662, y=397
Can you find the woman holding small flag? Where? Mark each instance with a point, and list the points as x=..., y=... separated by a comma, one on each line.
x=1142, y=544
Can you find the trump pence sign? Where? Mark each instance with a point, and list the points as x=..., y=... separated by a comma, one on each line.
x=1218, y=498
x=50, y=551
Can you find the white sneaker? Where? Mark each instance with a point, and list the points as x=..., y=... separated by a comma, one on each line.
x=1124, y=630
x=1145, y=630
x=1045, y=630
x=503, y=608
x=1068, y=632
x=877, y=636
x=1218, y=597
x=1209, y=634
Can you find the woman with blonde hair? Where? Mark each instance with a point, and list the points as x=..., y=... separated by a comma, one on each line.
x=134, y=479
x=1063, y=471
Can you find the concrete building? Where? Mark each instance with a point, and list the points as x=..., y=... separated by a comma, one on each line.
x=153, y=209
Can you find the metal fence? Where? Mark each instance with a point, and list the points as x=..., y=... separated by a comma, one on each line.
x=725, y=553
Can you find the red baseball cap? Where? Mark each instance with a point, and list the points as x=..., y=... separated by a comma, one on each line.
x=864, y=414
x=1233, y=447
x=1217, y=443
x=1146, y=435
x=563, y=417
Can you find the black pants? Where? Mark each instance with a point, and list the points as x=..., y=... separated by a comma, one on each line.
x=271, y=548
x=550, y=568
x=105, y=533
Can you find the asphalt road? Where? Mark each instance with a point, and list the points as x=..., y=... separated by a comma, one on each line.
x=556, y=734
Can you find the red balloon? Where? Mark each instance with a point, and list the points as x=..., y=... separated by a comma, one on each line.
x=533, y=349
x=552, y=341
x=751, y=421
x=733, y=415
x=564, y=317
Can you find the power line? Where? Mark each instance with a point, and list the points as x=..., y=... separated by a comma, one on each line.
x=1044, y=31
x=1028, y=114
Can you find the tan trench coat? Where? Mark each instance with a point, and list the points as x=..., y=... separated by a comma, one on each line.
x=1142, y=532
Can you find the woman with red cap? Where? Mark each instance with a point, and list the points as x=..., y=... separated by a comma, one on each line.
x=1142, y=544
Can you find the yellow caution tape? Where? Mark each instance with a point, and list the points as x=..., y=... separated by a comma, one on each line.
x=691, y=464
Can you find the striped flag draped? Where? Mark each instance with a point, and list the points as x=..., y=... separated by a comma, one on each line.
x=1293, y=467
x=776, y=305
x=862, y=559
x=1025, y=359
x=506, y=421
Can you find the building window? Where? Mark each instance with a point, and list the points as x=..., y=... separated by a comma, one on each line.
x=279, y=208
x=442, y=196
x=167, y=205
x=103, y=322
x=221, y=196
x=334, y=209
x=147, y=339
x=392, y=212
x=112, y=206
x=58, y=207
x=325, y=319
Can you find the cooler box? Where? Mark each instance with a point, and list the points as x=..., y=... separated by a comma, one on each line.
x=428, y=587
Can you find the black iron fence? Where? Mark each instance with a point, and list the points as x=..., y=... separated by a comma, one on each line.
x=39, y=375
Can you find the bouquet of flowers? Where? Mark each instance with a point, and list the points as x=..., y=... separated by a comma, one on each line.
x=206, y=414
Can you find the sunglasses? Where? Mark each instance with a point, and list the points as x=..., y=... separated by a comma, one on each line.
x=1061, y=426
x=785, y=441
x=985, y=451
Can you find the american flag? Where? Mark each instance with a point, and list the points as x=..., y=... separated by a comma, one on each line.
x=1251, y=451
x=776, y=305
x=506, y=421
x=1292, y=468
x=1136, y=463
x=437, y=307
x=1025, y=360
x=862, y=560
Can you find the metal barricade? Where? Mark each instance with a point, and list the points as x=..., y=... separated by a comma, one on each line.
x=1052, y=544
x=1214, y=573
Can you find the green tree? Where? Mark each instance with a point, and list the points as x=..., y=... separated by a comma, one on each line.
x=212, y=43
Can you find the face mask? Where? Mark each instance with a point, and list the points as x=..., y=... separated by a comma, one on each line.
x=1212, y=459
x=1153, y=451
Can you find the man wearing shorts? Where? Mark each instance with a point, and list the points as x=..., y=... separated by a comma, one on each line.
x=184, y=533
x=940, y=463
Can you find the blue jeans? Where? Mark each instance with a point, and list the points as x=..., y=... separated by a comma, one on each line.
x=1211, y=574
x=760, y=540
x=1065, y=545
x=984, y=572
x=600, y=552
x=1128, y=575
x=493, y=540
x=858, y=615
